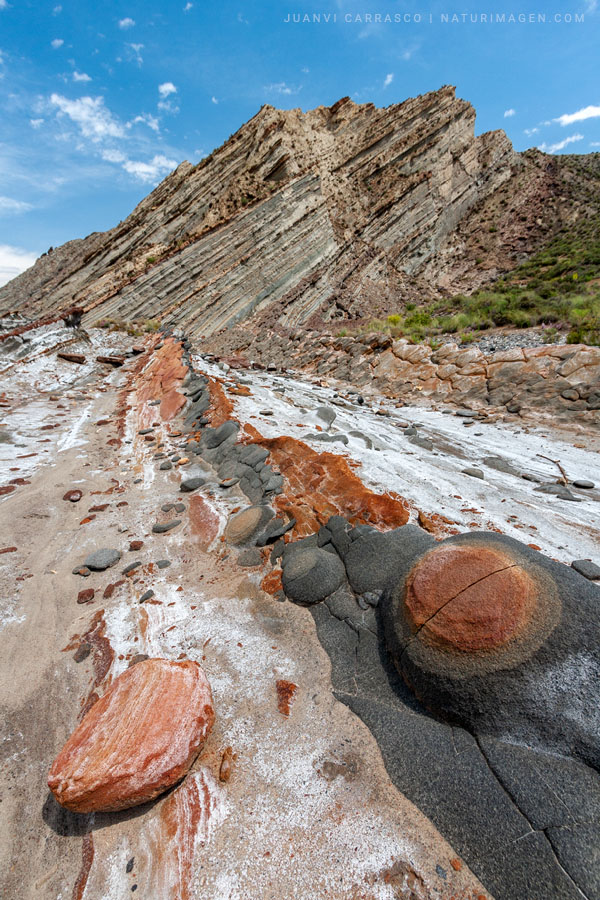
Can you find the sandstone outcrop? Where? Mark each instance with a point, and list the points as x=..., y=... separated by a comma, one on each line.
x=339, y=212
x=138, y=740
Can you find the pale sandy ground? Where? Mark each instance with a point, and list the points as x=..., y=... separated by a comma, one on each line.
x=309, y=811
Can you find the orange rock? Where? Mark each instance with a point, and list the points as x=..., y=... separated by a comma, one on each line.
x=320, y=485
x=221, y=407
x=138, y=740
x=204, y=519
x=469, y=598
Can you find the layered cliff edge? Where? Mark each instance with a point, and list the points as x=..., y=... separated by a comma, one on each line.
x=341, y=212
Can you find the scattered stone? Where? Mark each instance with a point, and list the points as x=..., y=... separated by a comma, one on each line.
x=82, y=570
x=559, y=490
x=165, y=466
x=192, y=484
x=587, y=568
x=145, y=431
x=179, y=507
x=163, y=563
x=111, y=360
x=8, y=550
x=266, y=412
x=473, y=472
x=136, y=545
x=85, y=596
x=228, y=482
x=74, y=495
x=242, y=526
x=72, y=357
x=104, y=766
x=138, y=658
x=132, y=567
x=82, y=652
x=147, y=595
x=167, y=507
x=102, y=559
x=162, y=527
x=584, y=485
x=276, y=528
x=467, y=413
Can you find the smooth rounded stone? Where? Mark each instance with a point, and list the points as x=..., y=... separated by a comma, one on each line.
x=179, y=507
x=252, y=455
x=228, y=482
x=85, y=596
x=167, y=507
x=473, y=472
x=312, y=575
x=466, y=413
x=74, y=495
x=163, y=563
x=213, y=437
x=587, y=568
x=162, y=527
x=242, y=526
x=249, y=558
x=138, y=480
x=192, y=484
x=102, y=559
x=266, y=412
x=165, y=466
x=138, y=740
x=81, y=570
x=147, y=595
x=559, y=490
x=325, y=414
x=493, y=636
x=145, y=431
x=584, y=485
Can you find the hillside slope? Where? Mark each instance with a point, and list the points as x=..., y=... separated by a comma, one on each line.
x=337, y=213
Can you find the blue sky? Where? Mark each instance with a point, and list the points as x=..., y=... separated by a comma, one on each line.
x=99, y=101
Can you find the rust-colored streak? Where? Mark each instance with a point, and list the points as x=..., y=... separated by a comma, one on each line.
x=102, y=656
x=221, y=407
x=204, y=520
x=320, y=485
x=161, y=380
x=286, y=691
x=87, y=858
x=183, y=823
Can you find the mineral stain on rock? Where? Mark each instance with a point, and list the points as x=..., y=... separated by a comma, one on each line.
x=286, y=691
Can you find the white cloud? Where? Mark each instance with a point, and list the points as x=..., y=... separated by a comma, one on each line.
x=56, y=43
x=388, y=79
x=146, y=119
x=158, y=166
x=214, y=100
x=36, y=123
x=554, y=148
x=13, y=261
x=588, y=112
x=167, y=88
x=305, y=69
x=81, y=76
x=281, y=87
x=57, y=10
x=595, y=144
x=137, y=52
x=95, y=121
x=509, y=113
x=8, y=206
x=126, y=22
x=3, y=4
x=591, y=6
x=530, y=131
x=241, y=18
x=187, y=7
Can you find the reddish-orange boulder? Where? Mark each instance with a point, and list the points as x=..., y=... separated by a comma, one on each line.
x=138, y=740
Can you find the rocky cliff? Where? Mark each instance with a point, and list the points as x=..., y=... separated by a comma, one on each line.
x=299, y=218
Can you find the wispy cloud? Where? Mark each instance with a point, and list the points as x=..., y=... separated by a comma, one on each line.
x=56, y=43
x=94, y=120
x=530, y=131
x=8, y=206
x=14, y=260
x=3, y=4
x=214, y=100
x=509, y=113
x=595, y=144
x=148, y=172
x=166, y=89
x=146, y=119
x=57, y=10
x=560, y=145
x=127, y=22
x=280, y=87
x=388, y=79
x=81, y=76
x=241, y=18
x=36, y=123
x=136, y=52
x=187, y=7
x=591, y=6
x=588, y=112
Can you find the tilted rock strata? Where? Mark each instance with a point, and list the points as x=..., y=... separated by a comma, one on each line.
x=138, y=740
x=338, y=212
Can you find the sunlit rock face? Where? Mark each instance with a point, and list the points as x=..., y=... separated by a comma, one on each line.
x=138, y=740
x=338, y=212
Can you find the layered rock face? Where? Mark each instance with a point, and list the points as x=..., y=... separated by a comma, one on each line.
x=335, y=213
